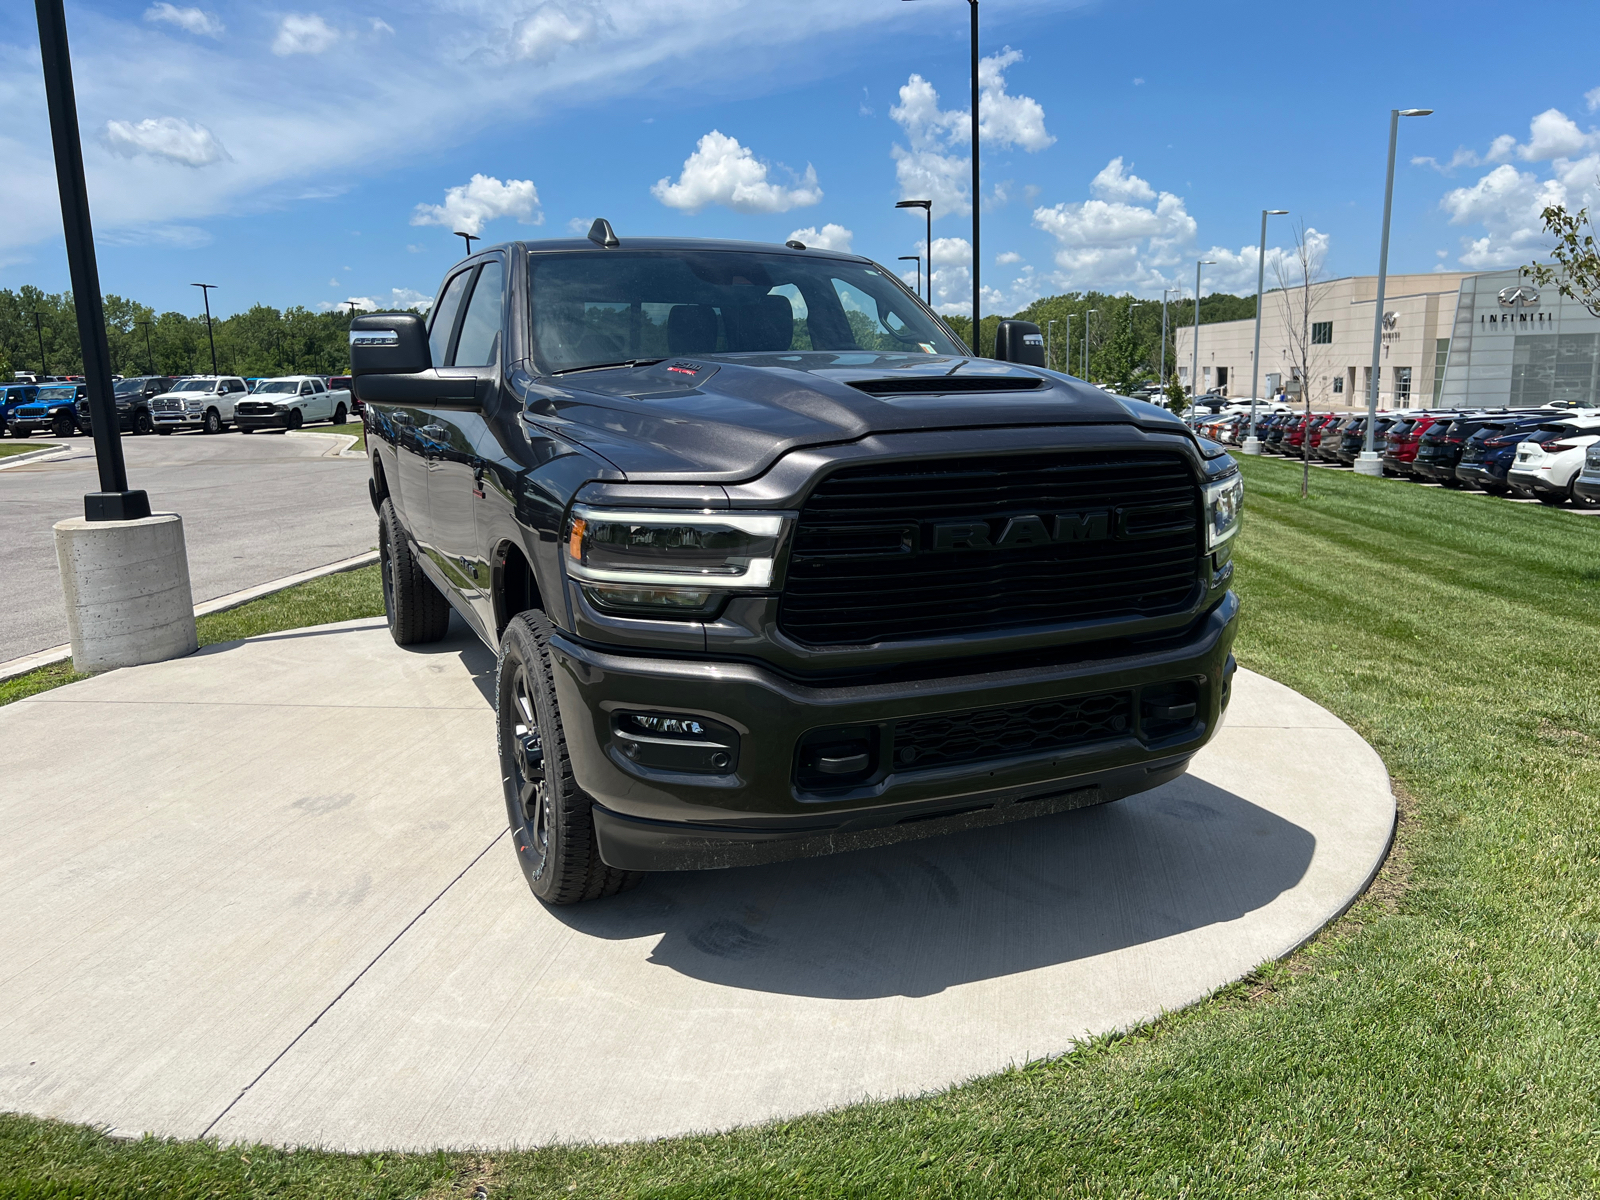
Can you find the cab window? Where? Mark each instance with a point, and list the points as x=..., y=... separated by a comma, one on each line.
x=444, y=317
x=479, y=343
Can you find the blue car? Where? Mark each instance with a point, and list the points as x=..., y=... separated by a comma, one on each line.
x=12, y=397
x=1489, y=453
x=55, y=407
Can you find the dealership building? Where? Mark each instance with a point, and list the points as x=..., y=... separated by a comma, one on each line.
x=1487, y=340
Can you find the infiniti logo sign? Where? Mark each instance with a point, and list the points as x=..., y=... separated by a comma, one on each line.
x=1524, y=293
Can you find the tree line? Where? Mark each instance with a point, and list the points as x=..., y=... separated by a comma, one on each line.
x=39, y=332
x=1124, y=332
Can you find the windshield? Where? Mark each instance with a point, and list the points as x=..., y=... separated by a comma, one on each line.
x=124, y=387
x=272, y=386
x=193, y=385
x=590, y=309
x=64, y=392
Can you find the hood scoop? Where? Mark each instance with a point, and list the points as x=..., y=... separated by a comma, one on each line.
x=945, y=385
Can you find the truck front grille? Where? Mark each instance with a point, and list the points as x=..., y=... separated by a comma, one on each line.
x=962, y=737
x=871, y=559
x=254, y=408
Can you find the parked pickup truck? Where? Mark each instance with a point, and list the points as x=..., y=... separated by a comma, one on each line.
x=774, y=566
x=200, y=402
x=289, y=402
x=132, y=398
x=53, y=407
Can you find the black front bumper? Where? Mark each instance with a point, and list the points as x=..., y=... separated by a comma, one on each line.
x=260, y=420
x=760, y=810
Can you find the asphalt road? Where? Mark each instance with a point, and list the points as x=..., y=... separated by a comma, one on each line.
x=255, y=508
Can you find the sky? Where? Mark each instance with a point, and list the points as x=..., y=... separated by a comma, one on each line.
x=315, y=155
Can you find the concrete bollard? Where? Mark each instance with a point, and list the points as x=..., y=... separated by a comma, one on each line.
x=127, y=589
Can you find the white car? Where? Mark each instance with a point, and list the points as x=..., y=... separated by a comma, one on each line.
x=289, y=401
x=199, y=402
x=1548, y=467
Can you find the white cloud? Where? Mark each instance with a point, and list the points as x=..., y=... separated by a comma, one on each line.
x=1500, y=149
x=379, y=25
x=721, y=171
x=1113, y=183
x=1109, y=242
x=398, y=298
x=1010, y=256
x=1235, y=271
x=468, y=206
x=334, y=282
x=1592, y=98
x=304, y=33
x=171, y=138
x=928, y=169
x=1507, y=203
x=829, y=237
x=191, y=20
x=551, y=28
x=1553, y=134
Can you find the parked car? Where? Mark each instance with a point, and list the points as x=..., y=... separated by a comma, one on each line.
x=1586, y=487
x=1353, y=437
x=53, y=407
x=1439, y=449
x=12, y=396
x=342, y=383
x=203, y=402
x=132, y=397
x=1329, y=439
x=1489, y=453
x=289, y=402
x=658, y=526
x=1546, y=464
x=1403, y=439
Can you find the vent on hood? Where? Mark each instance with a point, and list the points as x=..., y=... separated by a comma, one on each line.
x=944, y=385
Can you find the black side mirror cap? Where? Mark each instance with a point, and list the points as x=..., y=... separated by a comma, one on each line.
x=389, y=344
x=1019, y=342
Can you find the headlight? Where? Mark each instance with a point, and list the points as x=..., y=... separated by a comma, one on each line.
x=196, y=405
x=674, y=562
x=1224, y=507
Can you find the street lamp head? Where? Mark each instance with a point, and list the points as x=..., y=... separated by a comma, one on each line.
x=1416, y=112
x=1276, y=212
x=1207, y=262
x=914, y=204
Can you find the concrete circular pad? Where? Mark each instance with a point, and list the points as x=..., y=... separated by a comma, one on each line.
x=269, y=898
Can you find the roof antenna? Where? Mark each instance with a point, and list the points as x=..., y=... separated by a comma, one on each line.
x=794, y=245
x=602, y=232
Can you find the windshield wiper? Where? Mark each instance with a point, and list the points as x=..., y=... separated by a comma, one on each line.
x=632, y=362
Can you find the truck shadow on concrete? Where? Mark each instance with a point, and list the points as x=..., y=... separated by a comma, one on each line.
x=919, y=917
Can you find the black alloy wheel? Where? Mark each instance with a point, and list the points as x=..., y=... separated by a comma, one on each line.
x=295, y=419
x=416, y=610
x=551, y=818
x=340, y=415
x=142, y=422
x=213, y=421
x=63, y=425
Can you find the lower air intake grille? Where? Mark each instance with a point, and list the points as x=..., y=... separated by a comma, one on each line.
x=918, y=549
x=964, y=737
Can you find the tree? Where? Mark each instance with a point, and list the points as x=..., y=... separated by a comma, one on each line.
x=1299, y=298
x=1576, y=273
x=1177, y=398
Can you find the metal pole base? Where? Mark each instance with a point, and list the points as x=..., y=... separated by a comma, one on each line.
x=116, y=506
x=1369, y=462
x=1252, y=445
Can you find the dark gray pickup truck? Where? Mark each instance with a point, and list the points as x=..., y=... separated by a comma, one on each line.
x=774, y=566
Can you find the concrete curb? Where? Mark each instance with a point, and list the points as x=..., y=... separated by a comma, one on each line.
x=343, y=451
x=16, y=460
x=56, y=654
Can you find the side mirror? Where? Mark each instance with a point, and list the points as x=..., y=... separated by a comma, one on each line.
x=389, y=344
x=1019, y=342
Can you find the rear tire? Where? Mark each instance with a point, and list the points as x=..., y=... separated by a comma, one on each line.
x=417, y=611
x=552, y=820
x=1554, y=501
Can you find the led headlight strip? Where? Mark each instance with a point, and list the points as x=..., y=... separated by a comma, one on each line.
x=1224, y=507
x=723, y=550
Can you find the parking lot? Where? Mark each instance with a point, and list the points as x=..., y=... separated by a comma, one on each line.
x=255, y=508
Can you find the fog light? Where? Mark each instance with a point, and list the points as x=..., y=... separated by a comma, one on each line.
x=675, y=742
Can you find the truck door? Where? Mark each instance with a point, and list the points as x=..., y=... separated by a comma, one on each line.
x=415, y=434
x=455, y=478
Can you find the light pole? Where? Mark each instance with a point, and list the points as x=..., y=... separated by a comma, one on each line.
x=1368, y=462
x=469, y=238
x=1049, y=343
x=1194, y=376
x=1161, y=369
x=1252, y=444
x=38, y=326
x=1086, y=317
x=1068, y=355
x=205, y=290
x=916, y=258
x=927, y=208
x=149, y=356
x=1132, y=304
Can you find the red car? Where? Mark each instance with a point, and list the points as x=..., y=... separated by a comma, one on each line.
x=1321, y=424
x=1403, y=440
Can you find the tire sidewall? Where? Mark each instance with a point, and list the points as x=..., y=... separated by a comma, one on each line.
x=521, y=647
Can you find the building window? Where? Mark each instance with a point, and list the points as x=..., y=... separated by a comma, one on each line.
x=1441, y=355
x=1402, y=386
x=1322, y=333
x=1338, y=385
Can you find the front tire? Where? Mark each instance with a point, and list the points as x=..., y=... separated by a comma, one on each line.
x=63, y=426
x=416, y=610
x=213, y=421
x=142, y=423
x=552, y=820
x=340, y=415
x=295, y=419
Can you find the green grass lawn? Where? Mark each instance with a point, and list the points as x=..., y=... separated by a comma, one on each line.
x=1442, y=1040
x=8, y=447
